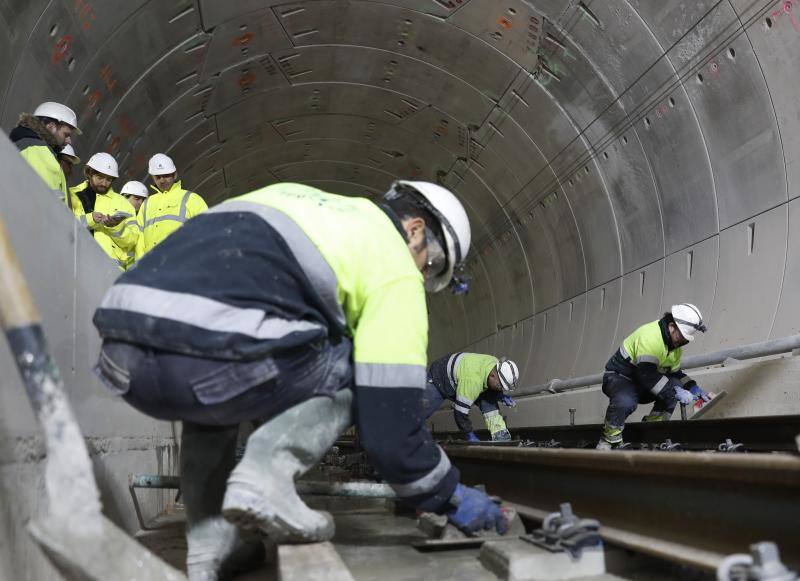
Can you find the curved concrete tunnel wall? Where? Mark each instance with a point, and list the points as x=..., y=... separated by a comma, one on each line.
x=614, y=156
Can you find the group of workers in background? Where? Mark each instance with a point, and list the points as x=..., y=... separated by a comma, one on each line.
x=127, y=224
x=304, y=311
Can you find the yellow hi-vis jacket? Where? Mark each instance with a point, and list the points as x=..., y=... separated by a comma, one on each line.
x=44, y=162
x=119, y=241
x=289, y=268
x=164, y=212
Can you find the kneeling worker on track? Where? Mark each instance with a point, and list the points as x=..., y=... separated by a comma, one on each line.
x=301, y=309
x=647, y=368
x=469, y=379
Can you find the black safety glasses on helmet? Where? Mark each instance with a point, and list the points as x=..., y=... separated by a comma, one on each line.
x=698, y=326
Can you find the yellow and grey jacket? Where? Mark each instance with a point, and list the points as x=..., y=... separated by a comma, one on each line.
x=462, y=378
x=648, y=357
x=164, y=212
x=40, y=150
x=119, y=241
x=283, y=267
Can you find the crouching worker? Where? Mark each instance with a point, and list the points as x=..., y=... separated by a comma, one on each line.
x=469, y=379
x=647, y=368
x=303, y=310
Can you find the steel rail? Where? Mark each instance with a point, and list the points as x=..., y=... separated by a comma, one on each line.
x=669, y=551
x=761, y=433
x=716, y=503
x=750, y=351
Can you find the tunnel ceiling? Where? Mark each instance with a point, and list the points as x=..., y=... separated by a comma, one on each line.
x=613, y=156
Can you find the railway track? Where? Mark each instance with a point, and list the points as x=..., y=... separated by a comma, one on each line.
x=755, y=434
x=692, y=505
x=688, y=507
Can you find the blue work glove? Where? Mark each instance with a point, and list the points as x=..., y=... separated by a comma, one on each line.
x=501, y=436
x=474, y=511
x=508, y=400
x=683, y=396
x=700, y=393
x=473, y=437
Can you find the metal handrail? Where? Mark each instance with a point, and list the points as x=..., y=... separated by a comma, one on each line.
x=751, y=351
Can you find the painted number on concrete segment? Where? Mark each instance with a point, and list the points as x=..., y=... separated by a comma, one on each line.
x=61, y=48
x=85, y=13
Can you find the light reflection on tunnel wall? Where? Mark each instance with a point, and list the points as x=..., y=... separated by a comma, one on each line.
x=615, y=157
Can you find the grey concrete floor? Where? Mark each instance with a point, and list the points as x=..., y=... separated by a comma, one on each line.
x=375, y=544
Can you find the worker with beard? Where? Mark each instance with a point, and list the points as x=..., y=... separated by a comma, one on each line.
x=109, y=217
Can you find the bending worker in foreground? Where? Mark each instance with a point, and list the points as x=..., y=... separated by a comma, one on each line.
x=647, y=368
x=473, y=378
x=299, y=305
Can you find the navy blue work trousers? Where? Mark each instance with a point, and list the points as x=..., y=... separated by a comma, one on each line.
x=625, y=395
x=214, y=392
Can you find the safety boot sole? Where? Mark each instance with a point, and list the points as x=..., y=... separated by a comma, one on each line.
x=249, y=511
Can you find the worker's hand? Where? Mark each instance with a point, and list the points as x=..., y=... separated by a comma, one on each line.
x=501, y=436
x=99, y=218
x=508, y=400
x=473, y=437
x=683, y=396
x=112, y=221
x=473, y=511
x=700, y=393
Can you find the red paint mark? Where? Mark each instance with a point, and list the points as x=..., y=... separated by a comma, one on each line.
x=61, y=49
x=243, y=40
x=94, y=98
x=85, y=14
x=246, y=80
x=788, y=8
x=126, y=125
x=107, y=76
x=505, y=22
x=713, y=68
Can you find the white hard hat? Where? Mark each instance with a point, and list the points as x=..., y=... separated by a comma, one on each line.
x=105, y=164
x=134, y=188
x=689, y=320
x=160, y=165
x=58, y=112
x=508, y=374
x=68, y=151
x=455, y=226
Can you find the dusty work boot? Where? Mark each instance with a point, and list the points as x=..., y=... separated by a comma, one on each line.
x=214, y=546
x=261, y=492
x=604, y=445
x=216, y=551
x=655, y=416
x=612, y=437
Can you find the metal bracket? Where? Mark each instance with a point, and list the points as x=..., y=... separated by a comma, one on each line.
x=150, y=481
x=563, y=531
x=670, y=446
x=762, y=564
x=729, y=446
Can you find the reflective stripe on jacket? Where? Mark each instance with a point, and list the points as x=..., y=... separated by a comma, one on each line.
x=118, y=242
x=645, y=357
x=462, y=378
x=277, y=269
x=164, y=212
